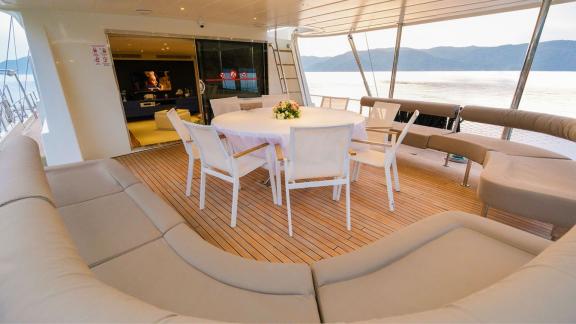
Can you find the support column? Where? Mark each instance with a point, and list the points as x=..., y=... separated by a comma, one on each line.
x=395, y=62
x=359, y=64
x=528, y=59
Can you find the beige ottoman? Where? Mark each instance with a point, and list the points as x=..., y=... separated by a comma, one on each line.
x=162, y=121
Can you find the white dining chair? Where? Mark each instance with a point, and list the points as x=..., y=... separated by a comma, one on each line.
x=269, y=101
x=339, y=103
x=386, y=159
x=224, y=105
x=314, y=153
x=378, y=127
x=217, y=161
x=189, y=146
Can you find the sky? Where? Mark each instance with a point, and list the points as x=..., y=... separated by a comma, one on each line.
x=21, y=43
x=493, y=30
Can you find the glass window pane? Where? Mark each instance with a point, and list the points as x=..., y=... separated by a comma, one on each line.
x=551, y=86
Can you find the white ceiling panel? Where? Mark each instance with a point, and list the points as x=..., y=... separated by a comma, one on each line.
x=325, y=17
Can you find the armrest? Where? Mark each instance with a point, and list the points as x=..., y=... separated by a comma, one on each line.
x=383, y=131
x=279, y=153
x=371, y=143
x=233, y=270
x=386, y=251
x=351, y=152
x=250, y=150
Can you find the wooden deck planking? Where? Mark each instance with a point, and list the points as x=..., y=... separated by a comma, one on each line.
x=319, y=222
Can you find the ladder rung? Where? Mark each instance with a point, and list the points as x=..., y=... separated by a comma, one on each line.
x=289, y=78
x=288, y=64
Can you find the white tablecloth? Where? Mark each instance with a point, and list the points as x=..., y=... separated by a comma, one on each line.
x=248, y=128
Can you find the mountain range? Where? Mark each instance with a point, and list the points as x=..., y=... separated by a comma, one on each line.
x=12, y=64
x=551, y=56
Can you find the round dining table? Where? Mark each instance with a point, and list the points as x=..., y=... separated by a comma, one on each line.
x=247, y=128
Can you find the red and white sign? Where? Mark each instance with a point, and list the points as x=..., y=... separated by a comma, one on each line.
x=233, y=74
x=100, y=55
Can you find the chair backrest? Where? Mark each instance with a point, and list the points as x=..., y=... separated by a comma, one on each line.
x=212, y=151
x=317, y=152
x=392, y=152
x=340, y=103
x=224, y=105
x=382, y=114
x=178, y=125
x=269, y=101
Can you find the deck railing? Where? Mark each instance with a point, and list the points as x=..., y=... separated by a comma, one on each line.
x=15, y=111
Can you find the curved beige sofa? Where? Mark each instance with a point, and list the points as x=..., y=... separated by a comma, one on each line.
x=89, y=243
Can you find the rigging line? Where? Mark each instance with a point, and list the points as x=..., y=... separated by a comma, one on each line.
x=26, y=72
x=371, y=65
x=16, y=60
x=7, y=54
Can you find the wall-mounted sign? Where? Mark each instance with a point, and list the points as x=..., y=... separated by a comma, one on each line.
x=100, y=55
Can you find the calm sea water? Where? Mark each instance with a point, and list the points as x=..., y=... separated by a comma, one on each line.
x=549, y=92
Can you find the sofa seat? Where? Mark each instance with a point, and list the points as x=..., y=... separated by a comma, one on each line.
x=419, y=135
x=167, y=273
x=475, y=147
x=427, y=265
x=542, y=189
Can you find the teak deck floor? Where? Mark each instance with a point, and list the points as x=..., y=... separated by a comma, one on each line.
x=319, y=222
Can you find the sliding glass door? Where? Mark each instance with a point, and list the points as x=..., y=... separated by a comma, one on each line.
x=231, y=68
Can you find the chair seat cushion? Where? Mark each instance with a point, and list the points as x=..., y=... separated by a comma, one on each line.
x=538, y=188
x=446, y=269
x=419, y=135
x=370, y=157
x=157, y=275
x=475, y=147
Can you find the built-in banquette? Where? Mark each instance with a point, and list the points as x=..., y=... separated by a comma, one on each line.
x=519, y=178
x=89, y=243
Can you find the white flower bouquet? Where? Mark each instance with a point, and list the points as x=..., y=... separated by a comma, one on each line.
x=287, y=109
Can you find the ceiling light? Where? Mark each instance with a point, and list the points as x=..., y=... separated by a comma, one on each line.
x=165, y=44
x=254, y=18
x=141, y=51
x=129, y=44
x=167, y=48
x=163, y=49
x=182, y=8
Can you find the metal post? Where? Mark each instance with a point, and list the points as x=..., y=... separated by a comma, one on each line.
x=359, y=64
x=528, y=59
x=305, y=92
x=395, y=62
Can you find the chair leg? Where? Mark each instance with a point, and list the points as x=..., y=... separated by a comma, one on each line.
x=389, y=188
x=202, y=188
x=190, y=176
x=447, y=159
x=273, y=185
x=339, y=194
x=348, y=220
x=235, y=188
x=485, y=209
x=467, y=174
x=289, y=210
x=278, y=184
x=396, y=178
x=335, y=192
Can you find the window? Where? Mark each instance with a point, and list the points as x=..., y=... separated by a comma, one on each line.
x=551, y=86
x=230, y=69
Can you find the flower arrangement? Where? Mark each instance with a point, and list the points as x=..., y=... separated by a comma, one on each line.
x=286, y=109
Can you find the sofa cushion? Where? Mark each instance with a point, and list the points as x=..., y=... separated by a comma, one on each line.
x=475, y=146
x=78, y=182
x=419, y=135
x=426, y=265
x=425, y=107
x=156, y=274
x=446, y=269
x=108, y=226
x=542, y=189
x=559, y=126
x=43, y=279
x=22, y=171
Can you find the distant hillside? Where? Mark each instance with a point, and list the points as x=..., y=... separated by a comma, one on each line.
x=551, y=56
x=12, y=64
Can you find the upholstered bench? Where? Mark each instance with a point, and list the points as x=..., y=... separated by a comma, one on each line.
x=538, y=188
x=418, y=135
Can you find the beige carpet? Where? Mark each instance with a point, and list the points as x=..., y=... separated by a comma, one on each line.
x=146, y=133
